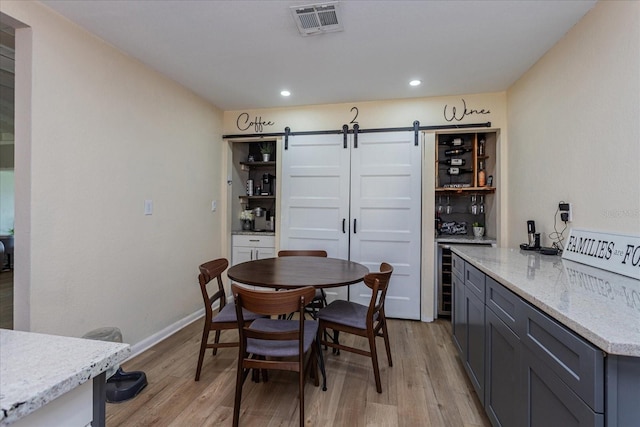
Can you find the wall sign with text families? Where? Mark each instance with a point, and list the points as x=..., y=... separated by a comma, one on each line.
x=617, y=253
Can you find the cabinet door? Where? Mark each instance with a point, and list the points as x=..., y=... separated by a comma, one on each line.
x=502, y=373
x=385, y=207
x=241, y=254
x=577, y=362
x=264, y=252
x=458, y=317
x=549, y=401
x=474, y=360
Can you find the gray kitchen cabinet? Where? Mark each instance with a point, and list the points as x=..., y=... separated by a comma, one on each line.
x=502, y=396
x=474, y=283
x=458, y=317
x=503, y=324
x=526, y=368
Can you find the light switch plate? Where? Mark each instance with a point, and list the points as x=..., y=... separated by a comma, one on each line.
x=214, y=205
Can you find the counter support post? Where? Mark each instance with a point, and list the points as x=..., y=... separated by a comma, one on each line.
x=99, y=398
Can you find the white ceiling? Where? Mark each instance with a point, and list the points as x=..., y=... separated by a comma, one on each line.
x=241, y=54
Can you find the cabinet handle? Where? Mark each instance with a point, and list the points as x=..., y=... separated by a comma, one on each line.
x=354, y=226
x=251, y=254
x=254, y=240
x=257, y=254
x=344, y=220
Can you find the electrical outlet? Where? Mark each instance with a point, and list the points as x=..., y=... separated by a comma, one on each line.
x=566, y=213
x=148, y=207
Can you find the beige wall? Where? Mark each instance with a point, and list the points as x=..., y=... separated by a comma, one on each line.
x=574, y=128
x=106, y=133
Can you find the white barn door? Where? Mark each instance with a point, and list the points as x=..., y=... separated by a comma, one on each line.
x=359, y=203
x=385, y=206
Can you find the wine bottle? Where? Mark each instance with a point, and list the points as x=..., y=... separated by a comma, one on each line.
x=458, y=171
x=453, y=162
x=481, y=175
x=456, y=151
x=456, y=142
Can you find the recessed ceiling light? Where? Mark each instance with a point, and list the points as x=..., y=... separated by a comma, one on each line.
x=285, y=93
x=415, y=82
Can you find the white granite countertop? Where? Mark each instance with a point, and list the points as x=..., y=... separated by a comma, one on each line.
x=602, y=307
x=37, y=368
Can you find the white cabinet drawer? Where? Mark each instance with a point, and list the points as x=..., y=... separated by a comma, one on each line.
x=255, y=241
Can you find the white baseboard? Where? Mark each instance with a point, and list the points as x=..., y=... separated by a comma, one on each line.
x=154, y=339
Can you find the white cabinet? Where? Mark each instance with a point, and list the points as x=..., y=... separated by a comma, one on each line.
x=358, y=199
x=252, y=247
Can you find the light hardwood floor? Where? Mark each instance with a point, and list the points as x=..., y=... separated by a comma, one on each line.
x=426, y=386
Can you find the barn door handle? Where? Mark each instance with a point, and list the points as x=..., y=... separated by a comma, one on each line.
x=344, y=220
x=354, y=226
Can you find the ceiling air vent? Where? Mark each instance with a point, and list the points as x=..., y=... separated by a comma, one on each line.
x=317, y=18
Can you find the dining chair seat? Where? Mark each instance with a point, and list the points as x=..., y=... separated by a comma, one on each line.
x=347, y=313
x=281, y=348
x=228, y=314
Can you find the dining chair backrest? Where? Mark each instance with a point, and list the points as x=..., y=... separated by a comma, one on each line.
x=302, y=252
x=378, y=282
x=272, y=302
x=208, y=271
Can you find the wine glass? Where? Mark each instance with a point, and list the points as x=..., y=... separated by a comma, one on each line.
x=440, y=208
x=449, y=208
x=481, y=206
x=474, y=207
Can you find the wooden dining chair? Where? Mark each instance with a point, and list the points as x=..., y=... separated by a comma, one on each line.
x=224, y=318
x=320, y=299
x=281, y=344
x=353, y=318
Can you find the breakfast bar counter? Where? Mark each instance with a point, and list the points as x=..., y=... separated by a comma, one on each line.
x=44, y=379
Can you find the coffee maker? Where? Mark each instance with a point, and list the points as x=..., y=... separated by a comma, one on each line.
x=263, y=220
x=267, y=184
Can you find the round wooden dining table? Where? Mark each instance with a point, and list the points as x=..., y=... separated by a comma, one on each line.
x=297, y=271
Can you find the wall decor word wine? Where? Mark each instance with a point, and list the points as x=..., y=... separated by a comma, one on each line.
x=243, y=122
x=454, y=114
